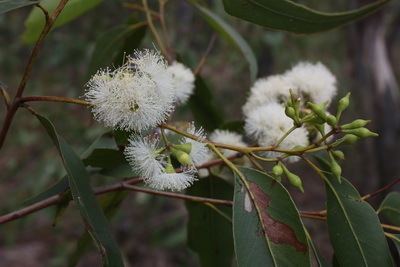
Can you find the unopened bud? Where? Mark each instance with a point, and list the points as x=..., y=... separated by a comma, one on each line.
x=319, y=110
x=338, y=154
x=350, y=138
x=277, y=170
x=187, y=147
x=331, y=120
x=295, y=181
x=181, y=156
x=361, y=132
x=290, y=112
x=355, y=124
x=336, y=169
x=169, y=168
x=343, y=104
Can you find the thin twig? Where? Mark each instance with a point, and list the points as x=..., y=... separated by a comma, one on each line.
x=205, y=55
x=178, y=196
x=28, y=69
x=386, y=187
x=54, y=99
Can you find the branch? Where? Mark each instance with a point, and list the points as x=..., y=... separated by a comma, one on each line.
x=377, y=192
x=54, y=99
x=178, y=196
x=28, y=69
x=54, y=200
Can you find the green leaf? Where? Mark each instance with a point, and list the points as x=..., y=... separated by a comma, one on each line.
x=293, y=17
x=396, y=241
x=36, y=19
x=8, y=5
x=354, y=228
x=84, y=197
x=209, y=233
x=266, y=224
x=390, y=208
x=204, y=109
x=110, y=204
x=110, y=43
x=230, y=35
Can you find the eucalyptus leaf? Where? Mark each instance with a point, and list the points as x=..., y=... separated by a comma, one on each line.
x=232, y=36
x=390, y=208
x=293, y=17
x=354, y=228
x=8, y=5
x=267, y=227
x=85, y=199
x=36, y=19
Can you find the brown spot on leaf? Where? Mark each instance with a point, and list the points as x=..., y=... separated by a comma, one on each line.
x=275, y=231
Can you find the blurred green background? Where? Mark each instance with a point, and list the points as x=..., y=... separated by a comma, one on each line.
x=151, y=231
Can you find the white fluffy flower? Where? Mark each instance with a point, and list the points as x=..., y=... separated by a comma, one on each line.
x=314, y=81
x=183, y=81
x=137, y=96
x=144, y=158
x=142, y=155
x=199, y=152
x=228, y=138
x=268, y=123
x=275, y=88
x=173, y=181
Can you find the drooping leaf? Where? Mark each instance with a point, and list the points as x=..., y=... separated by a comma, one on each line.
x=109, y=45
x=230, y=35
x=209, y=233
x=8, y=5
x=396, y=241
x=266, y=224
x=390, y=208
x=36, y=19
x=110, y=204
x=293, y=17
x=84, y=197
x=203, y=107
x=61, y=186
x=354, y=228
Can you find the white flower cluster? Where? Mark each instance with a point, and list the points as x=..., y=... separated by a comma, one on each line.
x=265, y=118
x=141, y=94
x=147, y=157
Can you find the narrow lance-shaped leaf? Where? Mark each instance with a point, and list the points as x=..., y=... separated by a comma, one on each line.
x=266, y=224
x=210, y=233
x=85, y=199
x=8, y=5
x=293, y=17
x=232, y=36
x=390, y=208
x=36, y=19
x=354, y=227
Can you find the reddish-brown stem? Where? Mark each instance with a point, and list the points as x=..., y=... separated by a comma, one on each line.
x=179, y=196
x=205, y=55
x=98, y=191
x=386, y=187
x=54, y=99
x=56, y=199
x=28, y=69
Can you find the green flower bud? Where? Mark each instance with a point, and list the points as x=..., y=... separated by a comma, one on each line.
x=331, y=120
x=350, y=138
x=290, y=112
x=169, y=168
x=335, y=168
x=361, y=132
x=181, y=156
x=343, y=104
x=277, y=170
x=355, y=124
x=187, y=147
x=319, y=110
x=338, y=154
x=295, y=181
x=293, y=178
